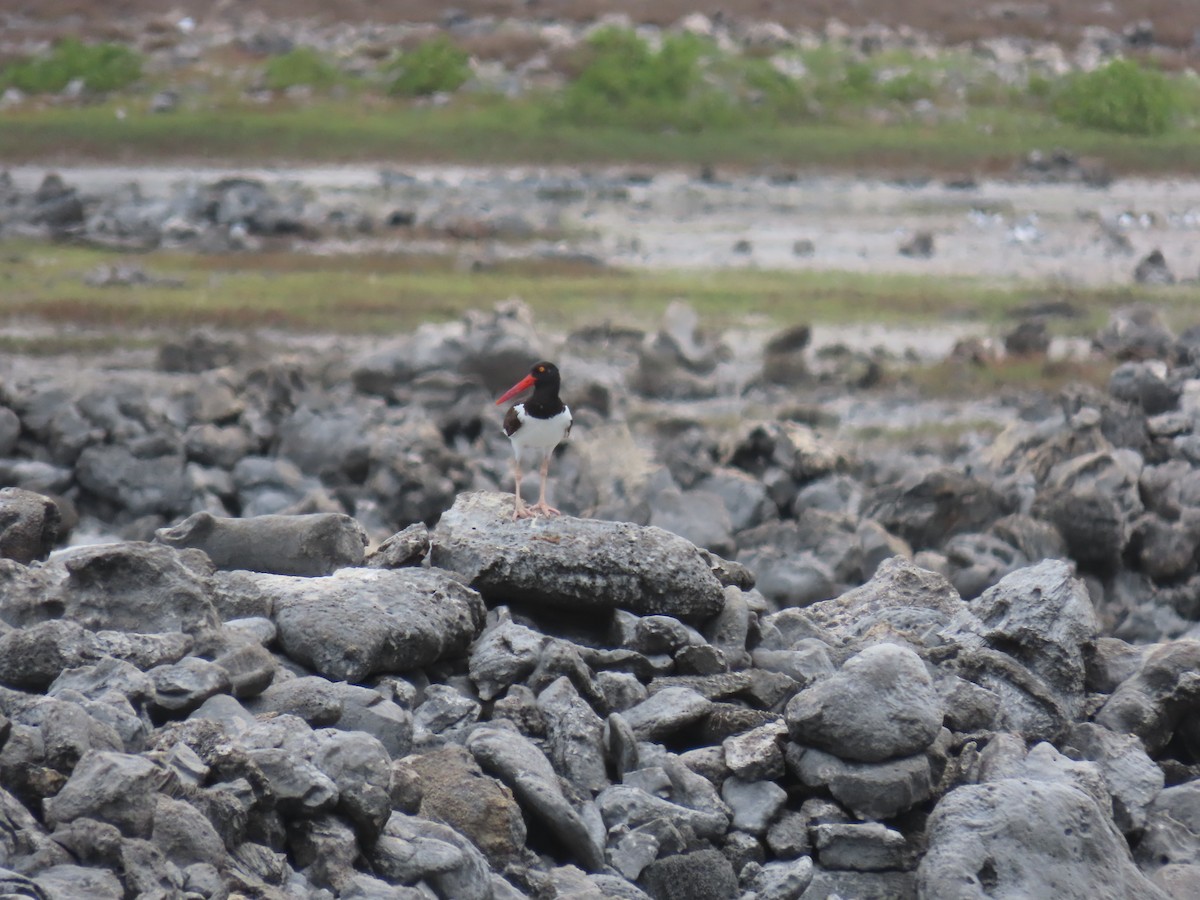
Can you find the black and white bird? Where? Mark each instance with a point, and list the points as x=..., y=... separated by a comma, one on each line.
x=536, y=426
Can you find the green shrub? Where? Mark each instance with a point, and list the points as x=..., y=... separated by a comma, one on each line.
x=1122, y=97
x=102, y=67
x=908, y=87
x=301, y=66
x=433, y=67
x=625, y=82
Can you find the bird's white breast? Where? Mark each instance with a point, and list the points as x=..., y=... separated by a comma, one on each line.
x=541, y=435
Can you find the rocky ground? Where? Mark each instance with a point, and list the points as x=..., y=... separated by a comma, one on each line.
x=1047, y=221
x=754, y=659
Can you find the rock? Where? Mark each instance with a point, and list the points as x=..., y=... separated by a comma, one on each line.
x=919, y=246
x=865, y=847
x=574, y=734
x=699, y=875
x=1131, y=777
x=1030, y=338
x=1042, y=616
x=926, y=508
x=869, y=790
x=666, y=712
x=1153, y=269
x=317, y=544
x=119, y=587
x=117, y=788
x=454, y=790
x=29, y=525
x=155, y=483
x=405, y=548
x=1151, y=703
x=754, y=803
x=557, y=561
x=1017, y=837
x=881, y=704
x=783, y=356
x=1172, y=829
x=522, y=766
x=1135, y=333
x=359, y=765
x=184, y=834
x=356, y=622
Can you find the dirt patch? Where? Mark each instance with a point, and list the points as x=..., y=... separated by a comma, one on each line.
x=1175, y=22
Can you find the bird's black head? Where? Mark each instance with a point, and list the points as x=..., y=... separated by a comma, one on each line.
x=544, y=380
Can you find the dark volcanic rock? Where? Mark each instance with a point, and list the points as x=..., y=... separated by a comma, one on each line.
x=574, y=563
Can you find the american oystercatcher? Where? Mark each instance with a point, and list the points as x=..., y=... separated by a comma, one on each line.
x=535, y=427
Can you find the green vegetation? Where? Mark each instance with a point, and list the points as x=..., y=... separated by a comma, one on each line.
x=383, y=293
x=433, y=67
x=300, y=66
x=683, y=101
x=101, y=67
x=1122, y=97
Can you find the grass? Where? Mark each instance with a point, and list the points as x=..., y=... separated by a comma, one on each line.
x=520, y=133
x=392, y=294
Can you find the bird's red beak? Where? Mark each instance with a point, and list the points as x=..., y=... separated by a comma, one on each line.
x=523, y=385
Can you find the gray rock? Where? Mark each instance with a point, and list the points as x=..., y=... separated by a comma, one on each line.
x=1153, y=269
x=444, y=711
x=316, y=544
x=1093, y=501
x=901, y=599
x=754, y=803
x=575, y=736
x=184, y=834
x=744, y=498
x=31, y=658
x=1151, y=704
x=665, y=712
x=627, y=806
x=119, y=587
x=405, y=548
x=864, y=847
x=756, y=754
x=869, y=790
x=881, y=704
x=782, y=880
x=503, y=655
x=699, y=875
x=141, y=485
x=110, y=787
x=926, y=508
x=63, y=882
x=370, y=711
x=312, y=698
x=297, y=786
x=523, y=767
x=181, y=687
x=696, y=515
x=361, y=621
x=557, y=561
x=29, y=524
x=360, y=767
x=1017, y=837
x=1131, y=777
x=1041, y=616
x=1172, y=829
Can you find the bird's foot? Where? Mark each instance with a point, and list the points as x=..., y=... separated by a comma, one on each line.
x=521, y=511
x=543, y=508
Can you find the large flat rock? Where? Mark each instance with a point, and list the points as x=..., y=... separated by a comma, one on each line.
x=574, y=563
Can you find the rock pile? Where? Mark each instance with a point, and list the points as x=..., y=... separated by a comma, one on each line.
x=832, y=672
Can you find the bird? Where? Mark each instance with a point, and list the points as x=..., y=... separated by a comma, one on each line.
x=536, y=426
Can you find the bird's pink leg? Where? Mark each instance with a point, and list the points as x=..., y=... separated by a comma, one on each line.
x=520, y=510
x=542, y=507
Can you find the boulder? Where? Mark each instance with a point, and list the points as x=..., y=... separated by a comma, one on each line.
x=315, y=544
x=579, y=564
x=357, y=622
